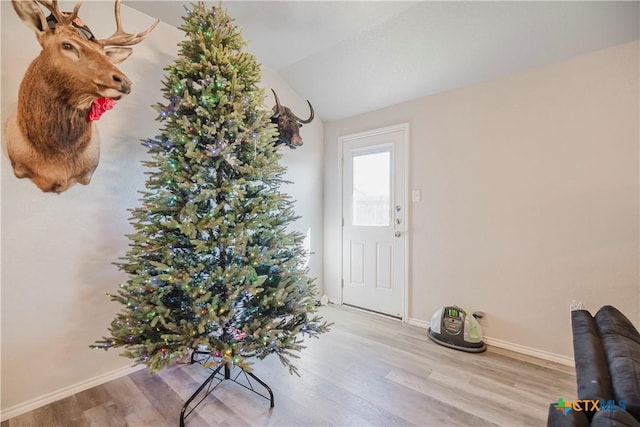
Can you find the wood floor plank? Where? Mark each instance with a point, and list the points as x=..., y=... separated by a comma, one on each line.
x=160, y=395
x=105, y=415
x=92, y=398
x=26, y=420
x=146, y=416
x=491, y=406
x=62, y=413
x=369, y=370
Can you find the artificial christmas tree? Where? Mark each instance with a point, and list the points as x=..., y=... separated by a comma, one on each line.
x=212, y=264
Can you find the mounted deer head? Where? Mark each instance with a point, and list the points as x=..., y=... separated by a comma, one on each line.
x=50, y=137
x=288, y=124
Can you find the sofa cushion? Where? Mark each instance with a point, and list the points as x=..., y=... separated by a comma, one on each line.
x=572, y=418
x=614, y=419
x=592, y=372
x=611, y=321
x=622, y=348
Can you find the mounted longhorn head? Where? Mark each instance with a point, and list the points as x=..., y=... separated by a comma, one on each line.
x=288, y=124
x=50, y=138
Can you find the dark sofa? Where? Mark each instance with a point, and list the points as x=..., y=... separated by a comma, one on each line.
x=607, y=358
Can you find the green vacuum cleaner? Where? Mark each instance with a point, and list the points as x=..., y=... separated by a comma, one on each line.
x=454, y=327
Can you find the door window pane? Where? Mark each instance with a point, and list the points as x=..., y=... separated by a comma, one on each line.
x=372, y=189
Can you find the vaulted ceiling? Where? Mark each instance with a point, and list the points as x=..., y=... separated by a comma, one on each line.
x=350, y=57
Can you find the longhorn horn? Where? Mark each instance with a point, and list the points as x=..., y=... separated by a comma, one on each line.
x=278, y=106
x=310, y=117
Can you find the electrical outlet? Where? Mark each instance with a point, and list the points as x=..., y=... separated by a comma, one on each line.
x=575, y=305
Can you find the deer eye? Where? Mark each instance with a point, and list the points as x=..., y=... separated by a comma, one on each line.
x=67, y=46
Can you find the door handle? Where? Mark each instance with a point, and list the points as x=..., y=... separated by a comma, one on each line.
x=397, y=234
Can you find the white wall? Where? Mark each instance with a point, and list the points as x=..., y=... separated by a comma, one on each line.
x=305, y=168
x=58, y=250
x=529, y=198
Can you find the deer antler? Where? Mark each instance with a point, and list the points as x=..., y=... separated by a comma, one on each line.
x=121, y=38
x=61, y=17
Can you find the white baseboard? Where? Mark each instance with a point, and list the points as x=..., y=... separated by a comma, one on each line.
x=517, y=348
x=529, y=351
x=419, y=323
x=38, y=402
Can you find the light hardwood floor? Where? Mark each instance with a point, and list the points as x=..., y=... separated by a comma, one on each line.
x=368, y=371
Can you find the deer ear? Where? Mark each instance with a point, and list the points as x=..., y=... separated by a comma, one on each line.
x=118, y=54
x=31, y=14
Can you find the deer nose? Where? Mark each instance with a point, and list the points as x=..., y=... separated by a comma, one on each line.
x=125, y=83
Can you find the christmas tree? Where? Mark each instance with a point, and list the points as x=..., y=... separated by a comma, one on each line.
x=212, y=264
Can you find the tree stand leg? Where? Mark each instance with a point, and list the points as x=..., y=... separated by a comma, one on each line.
x=221, y=373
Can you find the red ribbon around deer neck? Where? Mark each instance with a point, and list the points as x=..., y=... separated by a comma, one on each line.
x=98, y=108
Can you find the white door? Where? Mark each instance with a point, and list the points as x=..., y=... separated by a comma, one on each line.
x=374, y=220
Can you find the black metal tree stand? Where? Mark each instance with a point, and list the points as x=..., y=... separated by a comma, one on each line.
x=220, y=373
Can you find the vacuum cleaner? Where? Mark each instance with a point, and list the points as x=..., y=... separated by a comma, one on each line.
x=454, y=327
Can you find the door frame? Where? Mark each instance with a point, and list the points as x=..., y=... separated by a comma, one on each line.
x=374, y=132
